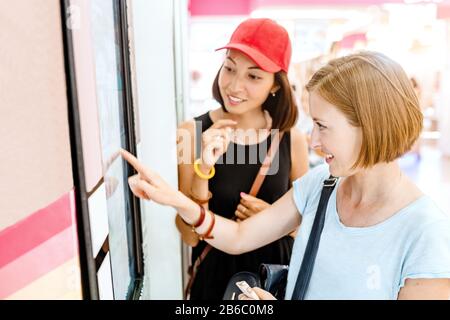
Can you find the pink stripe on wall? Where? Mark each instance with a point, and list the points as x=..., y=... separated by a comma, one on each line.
x=38, y=262
x=259, y=3
x=218, y=7
x=348, y=42
x=245, y=7
x=37, y=228
x=443, y=10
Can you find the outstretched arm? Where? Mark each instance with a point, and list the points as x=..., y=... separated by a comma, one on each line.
x=239, y=237
x=229, y=236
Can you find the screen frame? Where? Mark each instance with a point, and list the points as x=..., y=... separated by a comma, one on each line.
x=90, y=265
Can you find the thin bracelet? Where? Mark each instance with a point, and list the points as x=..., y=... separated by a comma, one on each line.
x=200, y=174
x=207, y=235
x=201, y=218
x=200, y=201
x=199, y=221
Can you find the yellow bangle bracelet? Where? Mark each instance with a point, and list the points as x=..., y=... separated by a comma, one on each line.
x=200, y=174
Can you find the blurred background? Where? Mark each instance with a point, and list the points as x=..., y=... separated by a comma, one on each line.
x=414, y=33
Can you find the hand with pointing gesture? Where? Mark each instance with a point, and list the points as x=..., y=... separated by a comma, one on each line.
x=148, y=185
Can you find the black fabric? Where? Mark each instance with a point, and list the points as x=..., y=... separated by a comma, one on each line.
x=232, y=291
x=274, y=278
x=271, y=277
x=229, y=181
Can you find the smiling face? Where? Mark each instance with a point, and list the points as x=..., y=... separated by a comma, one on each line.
x=335, y=136
x=242, y=84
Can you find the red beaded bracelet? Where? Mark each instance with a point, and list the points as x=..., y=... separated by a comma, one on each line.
x=201, y=218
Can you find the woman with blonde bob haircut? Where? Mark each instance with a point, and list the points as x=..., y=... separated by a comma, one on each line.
x=374, y=94
x=382, y=237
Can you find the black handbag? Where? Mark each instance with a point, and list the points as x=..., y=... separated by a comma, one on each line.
x=273, y=277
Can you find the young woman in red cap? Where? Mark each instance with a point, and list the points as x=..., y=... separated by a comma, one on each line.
x=255, y=95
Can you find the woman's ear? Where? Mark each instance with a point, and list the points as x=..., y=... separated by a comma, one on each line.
x=274, y=89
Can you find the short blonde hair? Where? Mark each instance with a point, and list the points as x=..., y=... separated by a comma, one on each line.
x=376, y=95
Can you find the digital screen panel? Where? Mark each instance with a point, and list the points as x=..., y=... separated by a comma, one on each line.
x=105, y=28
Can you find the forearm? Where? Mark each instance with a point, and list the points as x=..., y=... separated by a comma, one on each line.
x=200, y=187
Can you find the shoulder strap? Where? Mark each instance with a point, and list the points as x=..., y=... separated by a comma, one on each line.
x=265, y=166
x=193, y=269
x=306, y=269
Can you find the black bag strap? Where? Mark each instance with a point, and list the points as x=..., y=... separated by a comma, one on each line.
x=306, y=269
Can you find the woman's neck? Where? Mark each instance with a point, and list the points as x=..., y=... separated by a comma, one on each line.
x=374, y=195
x=374, y=185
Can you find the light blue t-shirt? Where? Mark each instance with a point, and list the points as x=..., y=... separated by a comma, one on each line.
x=371, y=262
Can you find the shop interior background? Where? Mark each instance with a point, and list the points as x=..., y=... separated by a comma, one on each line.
x=414, y=33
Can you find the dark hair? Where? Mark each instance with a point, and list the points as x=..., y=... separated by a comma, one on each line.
x=282, y=108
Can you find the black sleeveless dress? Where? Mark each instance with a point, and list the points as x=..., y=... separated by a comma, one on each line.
x=232, y=178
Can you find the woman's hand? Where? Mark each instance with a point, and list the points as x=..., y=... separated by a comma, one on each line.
x=216, y=139
x=215, y=142
x=249, y=206
x=262, y=294
x=148, y=185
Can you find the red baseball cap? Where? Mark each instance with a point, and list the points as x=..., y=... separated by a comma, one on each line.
x=265, y=42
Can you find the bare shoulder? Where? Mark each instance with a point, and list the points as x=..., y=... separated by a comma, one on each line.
x=187, y=125
x=216, y=114
x=186, y=142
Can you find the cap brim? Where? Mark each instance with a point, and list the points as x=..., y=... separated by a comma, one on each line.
x=261, y=60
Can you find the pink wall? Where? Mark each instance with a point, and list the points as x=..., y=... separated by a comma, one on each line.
x=38, y=240
x=35, y=158
x=259, y=3
x=444, y=10
x=229, y=7
x=244, y=7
